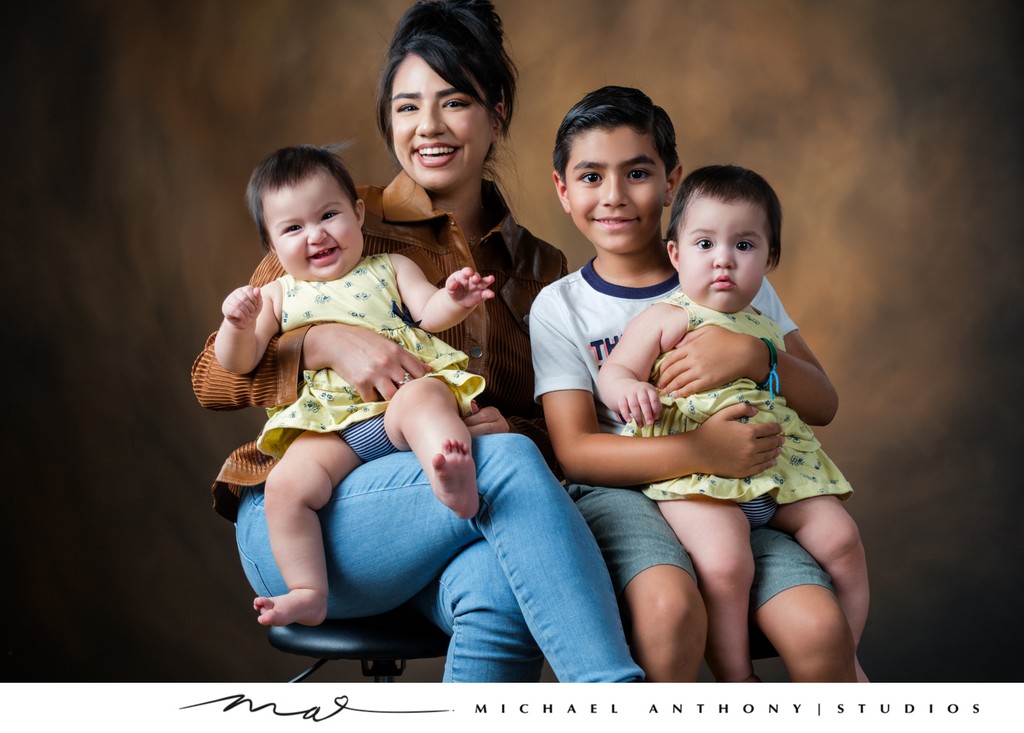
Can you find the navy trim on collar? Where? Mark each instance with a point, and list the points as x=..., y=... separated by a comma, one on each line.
x=621, y=291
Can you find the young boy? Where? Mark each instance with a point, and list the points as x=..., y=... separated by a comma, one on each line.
x=616, y=168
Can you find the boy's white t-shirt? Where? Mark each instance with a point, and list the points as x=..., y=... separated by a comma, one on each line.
x=576, y=321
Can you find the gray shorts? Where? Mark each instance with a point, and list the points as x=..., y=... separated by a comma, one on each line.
x=633, y=536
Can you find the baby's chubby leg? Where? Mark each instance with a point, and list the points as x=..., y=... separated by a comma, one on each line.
x=829, y=534
x=716, y=534
x=423, y=417
x=299, y=485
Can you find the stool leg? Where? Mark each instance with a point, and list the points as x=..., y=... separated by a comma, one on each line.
x=383, y=670
x=320, y=663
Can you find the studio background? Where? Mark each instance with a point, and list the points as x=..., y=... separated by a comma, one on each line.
x=891, y=131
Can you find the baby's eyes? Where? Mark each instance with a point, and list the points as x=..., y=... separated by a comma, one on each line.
x=704, y=244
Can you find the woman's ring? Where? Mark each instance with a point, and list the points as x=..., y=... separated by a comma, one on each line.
x=406, y=379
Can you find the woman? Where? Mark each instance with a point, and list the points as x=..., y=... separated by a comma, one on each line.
x=505, y=578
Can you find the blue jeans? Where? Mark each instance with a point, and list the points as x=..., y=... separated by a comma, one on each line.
x=525, y=572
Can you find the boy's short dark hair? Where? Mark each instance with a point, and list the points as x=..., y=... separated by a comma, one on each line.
x=730, y=183
x=611, y=107
x=292, y=165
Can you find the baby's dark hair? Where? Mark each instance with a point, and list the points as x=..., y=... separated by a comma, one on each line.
x=730, y=183
x=292, y=165
x=463, y=41
x=612, y=107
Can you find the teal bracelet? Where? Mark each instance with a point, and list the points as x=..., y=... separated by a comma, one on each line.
x=771, y=384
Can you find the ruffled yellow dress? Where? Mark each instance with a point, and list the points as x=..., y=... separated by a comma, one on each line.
x=367, y=296
x=801, y=471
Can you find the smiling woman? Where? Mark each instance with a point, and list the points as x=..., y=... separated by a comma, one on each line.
x=499, y=577
x=442, y=138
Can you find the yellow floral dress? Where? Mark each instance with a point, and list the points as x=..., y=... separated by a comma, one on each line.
x=802, y=469
x=367, y=296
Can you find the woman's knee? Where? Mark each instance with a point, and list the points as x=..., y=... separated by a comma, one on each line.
x=509, y=461
x=507, y=454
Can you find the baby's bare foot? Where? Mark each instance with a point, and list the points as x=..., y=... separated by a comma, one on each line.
x=300, y=606
x=455, y=479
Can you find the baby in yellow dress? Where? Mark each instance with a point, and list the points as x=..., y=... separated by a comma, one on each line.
x=724, y=236
x=309, y=214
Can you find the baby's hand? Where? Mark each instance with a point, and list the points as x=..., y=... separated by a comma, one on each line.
x=468, y=288
x=242, y=306
x=640, y=402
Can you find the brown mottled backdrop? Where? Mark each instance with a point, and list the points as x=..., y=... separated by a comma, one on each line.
x=891, y=130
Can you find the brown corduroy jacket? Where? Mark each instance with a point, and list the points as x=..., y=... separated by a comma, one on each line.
x=400, y=219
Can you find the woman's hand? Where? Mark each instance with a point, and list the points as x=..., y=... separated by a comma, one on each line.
x=486, y=421
x=373, y=364
x=710, y=357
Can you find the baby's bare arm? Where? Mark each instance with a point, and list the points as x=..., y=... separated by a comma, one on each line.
x=249, y=323
x=440, y=308
x=622, y=379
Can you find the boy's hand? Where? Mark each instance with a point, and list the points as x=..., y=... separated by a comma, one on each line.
x=640, y=402
x=242, y=306
x=730, y=446
x=709, y=357
x=468, y=289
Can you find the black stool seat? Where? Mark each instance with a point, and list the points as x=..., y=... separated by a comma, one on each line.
x=381, y=643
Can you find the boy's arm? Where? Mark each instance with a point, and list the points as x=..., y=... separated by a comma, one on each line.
x=565, y=388
x=722, y=445
x=807, y=388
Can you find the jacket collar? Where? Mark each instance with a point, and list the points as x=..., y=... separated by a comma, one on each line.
x=404, y=200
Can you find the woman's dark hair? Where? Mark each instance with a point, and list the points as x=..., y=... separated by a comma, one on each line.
x=463, y=41
x=612, y=107
x=290, y=166
x=730, y=183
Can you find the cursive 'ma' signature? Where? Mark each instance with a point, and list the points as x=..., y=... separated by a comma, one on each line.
x=316, y=714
